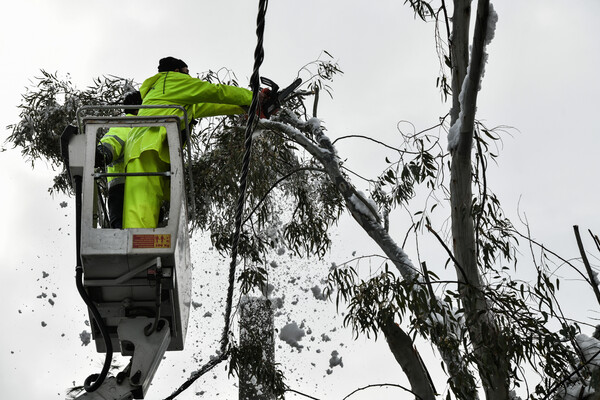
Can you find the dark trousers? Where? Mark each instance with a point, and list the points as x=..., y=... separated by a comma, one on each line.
x=115, y=205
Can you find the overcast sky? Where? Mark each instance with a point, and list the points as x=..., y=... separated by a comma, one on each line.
x=542, y=79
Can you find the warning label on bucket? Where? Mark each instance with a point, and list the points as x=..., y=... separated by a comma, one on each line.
x=152, y=241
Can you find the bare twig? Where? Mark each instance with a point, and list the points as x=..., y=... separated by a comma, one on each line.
x=382, y=385
x=302, y=394
x=588, y=267
x=567, y=262
x=450, y=254
x=367, y=138
x=203, y=370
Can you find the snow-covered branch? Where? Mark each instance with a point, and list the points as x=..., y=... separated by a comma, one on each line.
x=361, y=209
x=323, y=151
x=461, y=131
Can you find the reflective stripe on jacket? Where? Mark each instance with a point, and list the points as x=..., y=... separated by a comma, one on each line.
x=115, y=140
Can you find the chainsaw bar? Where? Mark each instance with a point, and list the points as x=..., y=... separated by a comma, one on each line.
x=277, y=97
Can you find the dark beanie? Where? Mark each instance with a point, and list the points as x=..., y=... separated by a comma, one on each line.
x=170, y=64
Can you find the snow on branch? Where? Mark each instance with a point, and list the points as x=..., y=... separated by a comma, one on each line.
x=363, y=211
x=590, y=348
x=310, y=136
x=485, y=31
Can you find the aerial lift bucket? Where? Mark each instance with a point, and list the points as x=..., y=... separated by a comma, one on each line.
x=139, y=280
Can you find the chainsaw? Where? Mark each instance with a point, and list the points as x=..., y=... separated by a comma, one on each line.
x=276, y=97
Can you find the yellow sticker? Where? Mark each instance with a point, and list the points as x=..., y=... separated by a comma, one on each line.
x=162, y=241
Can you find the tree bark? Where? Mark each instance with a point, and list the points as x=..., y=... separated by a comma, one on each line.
x=459, y=52
x=493, y=367
x=402, y=347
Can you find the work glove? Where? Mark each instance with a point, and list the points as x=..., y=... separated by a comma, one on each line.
x=267, y=103
x=103, y=156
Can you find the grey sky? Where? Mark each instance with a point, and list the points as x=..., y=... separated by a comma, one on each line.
x=541, y=79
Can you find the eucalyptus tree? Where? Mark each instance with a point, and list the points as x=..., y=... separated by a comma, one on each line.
x=488, y=326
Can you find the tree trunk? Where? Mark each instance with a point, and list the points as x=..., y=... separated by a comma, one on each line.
x=256, y=332
x=406, y=354
x=493, y=367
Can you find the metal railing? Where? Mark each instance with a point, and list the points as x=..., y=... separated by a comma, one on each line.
x=82, y=119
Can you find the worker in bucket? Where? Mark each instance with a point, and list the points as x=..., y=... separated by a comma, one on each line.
x=147, y=150
x=110, y=153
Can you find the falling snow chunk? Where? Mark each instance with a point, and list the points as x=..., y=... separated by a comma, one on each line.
x=267, y=290
x=85, y=338
x=317, y=293
x=335, y=360
x=45, y=274
x=63, y=204
x=277, y=302
x=292, y=334
x=207, y=314
x=196, y=304
x=325, y=338
x=595, y=278
x=44, y=324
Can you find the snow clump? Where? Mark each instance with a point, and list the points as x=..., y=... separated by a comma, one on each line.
x=85, y=338
x=590, y=347
x=335, y=360
x=454, y=131
x=491, y=25
x=292, y=334
x=317, y=293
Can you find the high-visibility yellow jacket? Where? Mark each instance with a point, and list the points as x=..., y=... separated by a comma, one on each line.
x=200, y=99
x=114, y=140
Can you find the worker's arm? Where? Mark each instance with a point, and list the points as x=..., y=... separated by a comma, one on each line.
x=193, y=91
x=210, y=110
x=114, y=140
